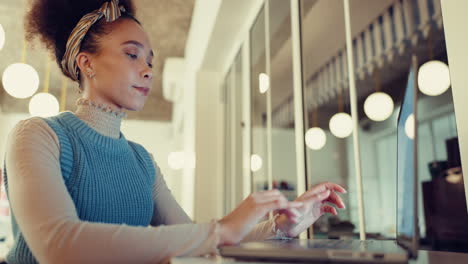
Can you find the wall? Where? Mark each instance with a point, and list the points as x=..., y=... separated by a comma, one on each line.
x=455, y=21
x=203, y=20
x=209, y=148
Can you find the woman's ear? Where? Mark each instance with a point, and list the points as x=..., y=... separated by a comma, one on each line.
x=84, y=63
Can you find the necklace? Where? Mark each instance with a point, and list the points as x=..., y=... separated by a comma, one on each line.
x=102, y=107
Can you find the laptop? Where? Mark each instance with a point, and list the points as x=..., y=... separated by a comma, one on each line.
x=357, y=251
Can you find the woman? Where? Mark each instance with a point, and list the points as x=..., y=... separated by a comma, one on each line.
x=81, y=193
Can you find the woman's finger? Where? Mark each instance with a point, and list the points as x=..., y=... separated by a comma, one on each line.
x=335, y=187
x=336, y=200
x=321, y=187
x=265, y=197
x=319, y=197
x=280, y=204
x=313, y=191
x=325, y=186
x=328, y=209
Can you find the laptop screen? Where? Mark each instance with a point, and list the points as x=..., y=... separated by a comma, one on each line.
x=406, y=167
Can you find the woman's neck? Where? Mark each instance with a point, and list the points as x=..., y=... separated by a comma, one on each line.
x=100, y=117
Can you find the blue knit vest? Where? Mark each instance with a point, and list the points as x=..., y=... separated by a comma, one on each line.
x=110, y=180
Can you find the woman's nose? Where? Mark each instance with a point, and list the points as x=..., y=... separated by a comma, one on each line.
x=147, y=73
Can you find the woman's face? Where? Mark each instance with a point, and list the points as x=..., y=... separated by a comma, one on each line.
x=122, y=68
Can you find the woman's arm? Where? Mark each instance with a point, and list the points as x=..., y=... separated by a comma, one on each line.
x=47, y=215
x=166, y=209
x=168, y=212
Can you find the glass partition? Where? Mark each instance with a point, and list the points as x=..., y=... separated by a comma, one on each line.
x=259, y=86
x=385, y=37
x=237, y=129
x=385, y=34
x=232, y=98
x=283, y=150
x=329, y=151
x=227, y=86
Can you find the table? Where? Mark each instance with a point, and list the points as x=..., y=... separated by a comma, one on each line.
x=425, y=257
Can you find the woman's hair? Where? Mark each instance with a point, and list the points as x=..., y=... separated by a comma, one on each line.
x=52, y=21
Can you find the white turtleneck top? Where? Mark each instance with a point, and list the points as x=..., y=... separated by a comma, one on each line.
x=47, y=217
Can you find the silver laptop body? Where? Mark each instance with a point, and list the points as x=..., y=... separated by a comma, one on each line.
x=356, y=251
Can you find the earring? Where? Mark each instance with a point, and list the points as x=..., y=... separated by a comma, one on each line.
x=91, y=74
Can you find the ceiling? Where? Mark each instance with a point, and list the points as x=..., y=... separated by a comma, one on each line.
x=319, y=44
x=166, y=21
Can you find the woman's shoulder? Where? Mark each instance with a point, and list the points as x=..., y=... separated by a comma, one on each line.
x=138, y=147
x=34, y=128
x=144, y=153
x=30, y=125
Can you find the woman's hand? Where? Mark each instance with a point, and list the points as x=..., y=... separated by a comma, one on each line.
x=240, y=222
x=293, y=221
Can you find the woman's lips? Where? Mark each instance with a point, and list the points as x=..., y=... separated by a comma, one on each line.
x=143, y=90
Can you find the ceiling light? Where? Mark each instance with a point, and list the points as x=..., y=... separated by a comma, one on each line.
x=409, y=126
x=255, y=163
x=2, y=37
x=176, y=160
x=378, y=106
x=434, y=78
x=43, y=105
x=315, y=138
x=20, y=80
x=341, y=125
x=263, y=82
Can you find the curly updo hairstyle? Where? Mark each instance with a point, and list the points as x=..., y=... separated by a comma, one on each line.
x=52, y=21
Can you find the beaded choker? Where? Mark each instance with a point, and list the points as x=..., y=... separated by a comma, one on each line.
x=102, y=107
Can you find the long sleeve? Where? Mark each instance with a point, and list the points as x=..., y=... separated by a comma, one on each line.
x=166, y=209
x=47, y=216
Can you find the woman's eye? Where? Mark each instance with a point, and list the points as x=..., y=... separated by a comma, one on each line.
x=133, y=56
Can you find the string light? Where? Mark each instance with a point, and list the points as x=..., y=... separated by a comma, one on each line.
x=315, y=138
x=378, y=106
x=176, y=160
x=2, y=37
x=409, y=126
x=43, y=105
x=263, y=82
x=434, y=78
x=179, y=159
x=20, y=80
x=341, y=125
x=255, y=163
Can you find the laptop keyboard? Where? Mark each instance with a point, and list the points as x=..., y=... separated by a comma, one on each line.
x=334, y=244
x=348, y=244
